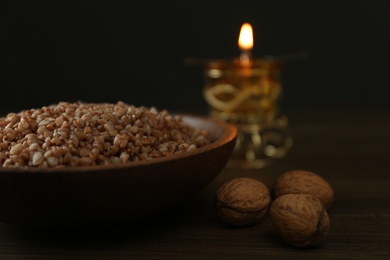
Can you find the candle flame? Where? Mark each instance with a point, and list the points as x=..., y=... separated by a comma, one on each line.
x=245, y=40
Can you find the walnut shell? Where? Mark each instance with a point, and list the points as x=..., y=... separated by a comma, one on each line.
x=242, y=201
x=300, y=219
x=307, y=182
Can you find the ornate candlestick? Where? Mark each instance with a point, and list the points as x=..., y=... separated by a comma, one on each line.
x=246, y=92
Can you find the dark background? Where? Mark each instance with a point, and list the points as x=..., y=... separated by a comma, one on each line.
x=105, y=51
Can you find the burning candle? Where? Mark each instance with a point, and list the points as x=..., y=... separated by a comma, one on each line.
x=245, y=91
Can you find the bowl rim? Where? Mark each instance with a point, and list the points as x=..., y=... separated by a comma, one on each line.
x=229, y=134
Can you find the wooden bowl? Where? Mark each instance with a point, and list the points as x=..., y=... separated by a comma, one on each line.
x=113, y=194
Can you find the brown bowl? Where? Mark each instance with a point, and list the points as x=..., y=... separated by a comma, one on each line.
x=112, y=194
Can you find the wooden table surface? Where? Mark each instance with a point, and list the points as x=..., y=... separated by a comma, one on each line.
x=350, y=149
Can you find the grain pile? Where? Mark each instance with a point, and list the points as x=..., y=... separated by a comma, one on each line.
x=84, y=134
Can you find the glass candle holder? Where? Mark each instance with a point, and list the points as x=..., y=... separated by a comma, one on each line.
x=247, y=94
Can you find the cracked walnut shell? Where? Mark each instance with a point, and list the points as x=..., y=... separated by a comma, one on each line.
x=242, y=201
x=299, y=181
x=300, y=219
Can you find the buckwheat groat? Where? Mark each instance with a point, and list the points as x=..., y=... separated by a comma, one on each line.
x=82, y=134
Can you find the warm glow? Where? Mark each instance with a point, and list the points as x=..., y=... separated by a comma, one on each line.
x=245, y=40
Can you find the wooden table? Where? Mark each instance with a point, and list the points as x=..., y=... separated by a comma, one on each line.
x=350, y=149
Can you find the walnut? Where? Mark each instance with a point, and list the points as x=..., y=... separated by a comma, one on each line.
x=242, y=201
x=300, y=219
x=307, y=182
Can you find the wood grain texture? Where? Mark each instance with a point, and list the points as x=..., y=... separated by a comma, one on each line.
x=349, y=150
